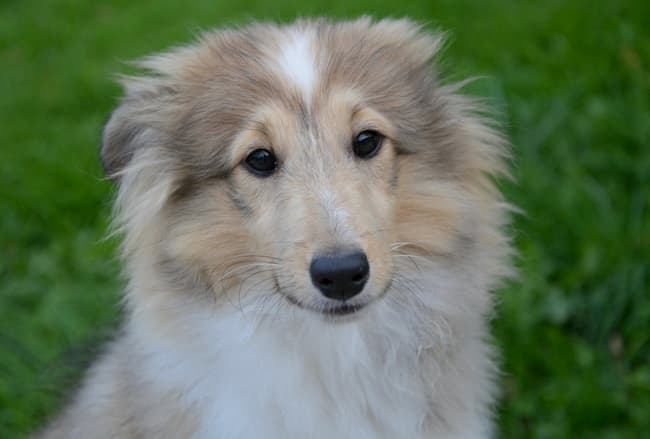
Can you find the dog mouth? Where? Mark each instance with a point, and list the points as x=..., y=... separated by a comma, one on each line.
x=344, y=309
x=334, y=311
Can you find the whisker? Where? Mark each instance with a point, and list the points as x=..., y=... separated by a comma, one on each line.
x=398, y=245
x=244, y=269
x=241, y=284
x=411, y=287
x=409, y=257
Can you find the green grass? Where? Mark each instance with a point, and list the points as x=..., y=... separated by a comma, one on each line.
x=573, y=82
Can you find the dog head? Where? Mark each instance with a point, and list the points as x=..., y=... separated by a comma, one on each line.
x=312, y=164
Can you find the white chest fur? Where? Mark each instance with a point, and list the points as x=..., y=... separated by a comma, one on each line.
x=297, y=376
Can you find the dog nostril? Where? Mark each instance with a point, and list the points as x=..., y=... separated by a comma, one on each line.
x=340, y=276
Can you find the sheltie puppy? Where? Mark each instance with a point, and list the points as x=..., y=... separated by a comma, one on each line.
x=312, y=236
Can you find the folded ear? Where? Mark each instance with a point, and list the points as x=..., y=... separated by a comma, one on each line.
x=138, y=122
x=118, y=142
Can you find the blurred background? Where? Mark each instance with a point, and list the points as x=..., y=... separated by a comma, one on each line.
x=571, y=80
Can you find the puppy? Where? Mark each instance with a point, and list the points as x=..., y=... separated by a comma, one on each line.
x=311, y=238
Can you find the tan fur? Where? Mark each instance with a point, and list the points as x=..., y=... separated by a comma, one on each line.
x=203, y=233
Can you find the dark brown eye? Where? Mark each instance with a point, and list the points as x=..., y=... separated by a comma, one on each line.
x=367, y=144
x=261, y=162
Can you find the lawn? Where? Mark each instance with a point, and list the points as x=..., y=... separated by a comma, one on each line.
x=572, y=82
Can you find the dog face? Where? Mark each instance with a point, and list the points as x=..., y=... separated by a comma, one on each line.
x=306, y=165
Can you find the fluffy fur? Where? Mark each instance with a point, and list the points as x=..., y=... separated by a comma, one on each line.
x=225, y=335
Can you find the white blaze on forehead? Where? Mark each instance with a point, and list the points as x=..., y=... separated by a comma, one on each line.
x=297, y=61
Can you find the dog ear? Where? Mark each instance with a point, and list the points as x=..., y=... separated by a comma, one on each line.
x=118, y=142
x=138, y=122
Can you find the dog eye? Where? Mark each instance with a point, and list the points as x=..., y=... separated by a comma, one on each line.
x=261, y=162
x=367, y=144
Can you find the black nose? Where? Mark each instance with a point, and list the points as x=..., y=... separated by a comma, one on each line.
x=340, y=276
